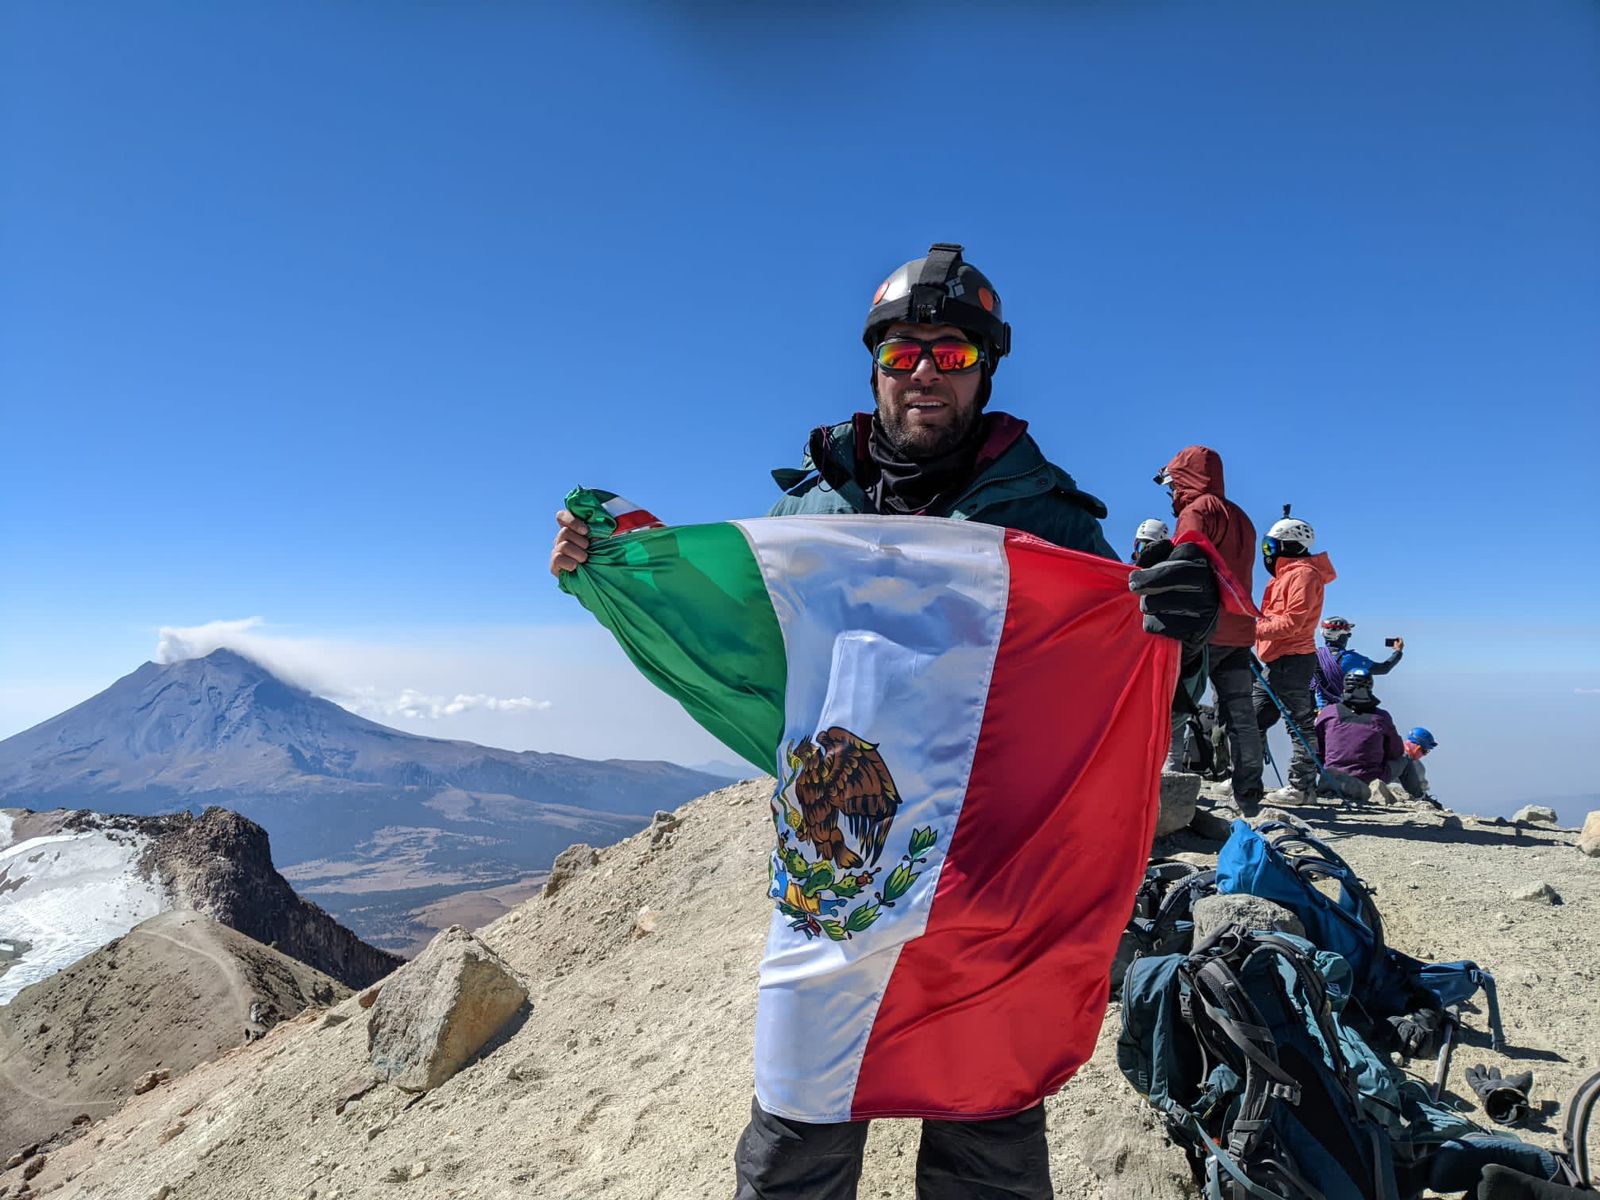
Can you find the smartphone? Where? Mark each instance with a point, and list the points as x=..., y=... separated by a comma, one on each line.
x=1389, y=642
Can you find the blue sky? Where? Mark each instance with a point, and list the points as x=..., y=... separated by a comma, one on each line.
x=313, y=313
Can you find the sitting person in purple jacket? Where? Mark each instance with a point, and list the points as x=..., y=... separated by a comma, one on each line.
x=1358, y=742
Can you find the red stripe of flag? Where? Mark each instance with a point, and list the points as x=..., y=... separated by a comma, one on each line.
x=1001, y=1000
x=637, y=519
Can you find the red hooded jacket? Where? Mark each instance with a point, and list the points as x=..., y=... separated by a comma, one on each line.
x=1201, y=505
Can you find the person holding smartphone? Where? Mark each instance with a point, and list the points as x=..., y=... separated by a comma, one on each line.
x=1335, y=659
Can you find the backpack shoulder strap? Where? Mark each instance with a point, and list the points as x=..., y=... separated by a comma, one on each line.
x=1312, y=859
x=1575, y=1135
x=1185, y=892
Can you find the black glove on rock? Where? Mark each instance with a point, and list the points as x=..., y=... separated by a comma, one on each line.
x=1502, y=1183
x=1416, y=1034
x=1504, y=1097
x=1177, y=592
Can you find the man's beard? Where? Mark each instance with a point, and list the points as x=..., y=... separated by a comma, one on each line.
x=917, y=441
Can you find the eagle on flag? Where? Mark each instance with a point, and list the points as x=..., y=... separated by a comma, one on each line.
x=840, y=773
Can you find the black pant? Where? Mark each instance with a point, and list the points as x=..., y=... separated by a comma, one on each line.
x=1290, y=679
x=1232, y=680
x=1003, y=1159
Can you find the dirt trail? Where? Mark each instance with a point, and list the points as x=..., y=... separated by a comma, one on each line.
x=175, y=991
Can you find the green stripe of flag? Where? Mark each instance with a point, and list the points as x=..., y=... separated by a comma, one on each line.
x=690, y=608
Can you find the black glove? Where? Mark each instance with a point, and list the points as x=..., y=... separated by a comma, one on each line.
x=1177, y=592
x=1502, y=1183
x=1504, y=1097
x=1416, y=1034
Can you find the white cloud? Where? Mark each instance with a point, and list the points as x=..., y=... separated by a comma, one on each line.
x=412, y=703
x=196, y=641
x=1587, y=691
x=301, y=661
x=524, y=687
x=306, y=662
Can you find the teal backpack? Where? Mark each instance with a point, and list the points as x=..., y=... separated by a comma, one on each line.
x=1241, y=1046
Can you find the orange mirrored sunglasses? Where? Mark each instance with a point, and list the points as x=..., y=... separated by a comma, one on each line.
x=951, y=356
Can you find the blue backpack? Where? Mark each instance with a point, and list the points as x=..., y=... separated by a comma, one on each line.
x=1242, y=1047
x=1282, y=863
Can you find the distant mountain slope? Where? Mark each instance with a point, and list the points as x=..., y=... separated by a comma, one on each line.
x=368, y=810
x=175, y=991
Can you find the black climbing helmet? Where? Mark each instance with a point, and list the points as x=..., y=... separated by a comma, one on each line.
x=1357, y=685
x=941, y=289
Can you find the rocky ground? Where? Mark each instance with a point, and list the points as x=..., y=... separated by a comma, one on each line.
x=631, y=1076
x=176, y=991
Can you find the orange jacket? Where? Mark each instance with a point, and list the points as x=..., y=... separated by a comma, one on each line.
x=1292, y=607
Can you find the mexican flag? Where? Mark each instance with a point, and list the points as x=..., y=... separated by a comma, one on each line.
x=966, y=726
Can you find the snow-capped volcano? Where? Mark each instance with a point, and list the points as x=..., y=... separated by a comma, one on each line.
x=361, y=808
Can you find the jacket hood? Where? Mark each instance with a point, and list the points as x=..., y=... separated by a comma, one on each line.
x=1318, y=562
x=1196, y=471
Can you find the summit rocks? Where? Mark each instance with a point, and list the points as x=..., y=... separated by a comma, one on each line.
x=219, y=863
x=632, y=1077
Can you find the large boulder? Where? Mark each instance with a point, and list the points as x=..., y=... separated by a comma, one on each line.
x=1179, y=791
x=1212, y=913
x=1531, y=813
x=439, y=1010
x=1589, y=839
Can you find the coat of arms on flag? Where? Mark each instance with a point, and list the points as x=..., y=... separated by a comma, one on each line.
x=827, y=884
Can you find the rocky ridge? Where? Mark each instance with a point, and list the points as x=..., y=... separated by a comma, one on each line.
x=175, y=992
x=631, y=1075
x=220, y=864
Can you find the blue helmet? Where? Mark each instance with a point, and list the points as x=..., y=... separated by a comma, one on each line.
x=1421, y=737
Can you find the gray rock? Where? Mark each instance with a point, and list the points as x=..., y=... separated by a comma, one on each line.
x=1212, y=913
x=1537, y=892
x=1535, y=813
x=1589, y=839
x=662, y=824
x=439, y=1010
x=1273, y=814
x=1179, y=791
x=1211, y=825
x=569, y=864
x=1125, y=1145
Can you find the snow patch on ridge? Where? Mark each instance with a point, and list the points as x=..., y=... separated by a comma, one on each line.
x=6, y=825
x=64, y=895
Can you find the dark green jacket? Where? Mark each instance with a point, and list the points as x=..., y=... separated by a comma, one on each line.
x=1015, y=485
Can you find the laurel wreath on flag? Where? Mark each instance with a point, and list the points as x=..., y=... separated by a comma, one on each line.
x=817, y=901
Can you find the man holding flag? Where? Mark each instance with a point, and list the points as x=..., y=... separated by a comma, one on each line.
x=968, y=730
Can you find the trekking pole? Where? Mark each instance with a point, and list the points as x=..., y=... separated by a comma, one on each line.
x=1447, y=1045
x=1294, y=729
x=1266, y=752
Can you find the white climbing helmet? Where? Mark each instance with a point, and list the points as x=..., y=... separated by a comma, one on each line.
x=1153, y=530
x=1292, y=529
